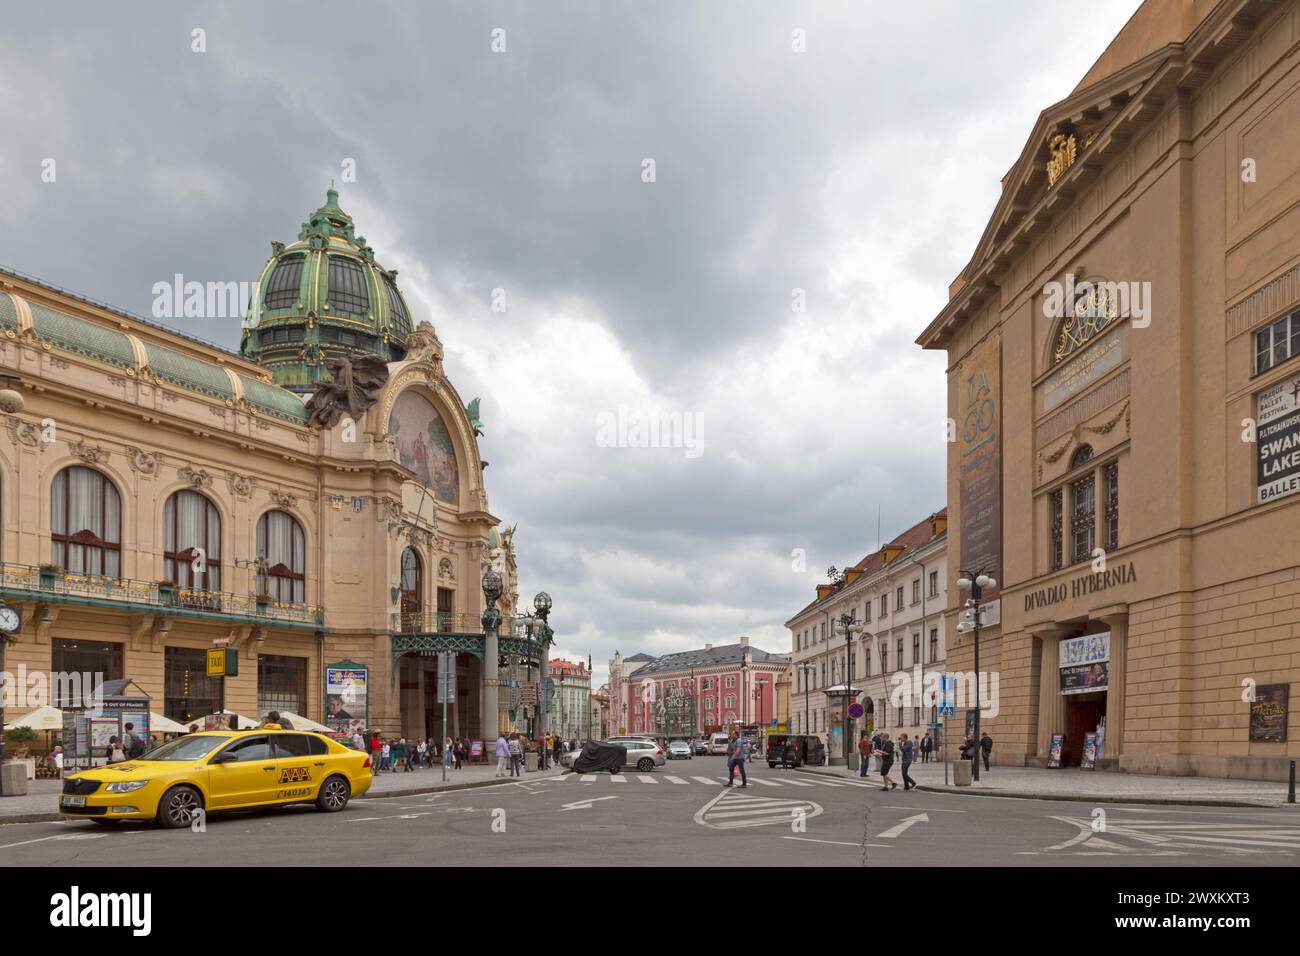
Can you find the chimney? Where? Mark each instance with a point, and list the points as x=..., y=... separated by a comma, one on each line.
x=744, y=642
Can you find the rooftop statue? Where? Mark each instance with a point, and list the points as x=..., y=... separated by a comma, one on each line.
x=355, y=384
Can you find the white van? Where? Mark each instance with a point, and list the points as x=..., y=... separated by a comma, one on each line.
x=718, y=745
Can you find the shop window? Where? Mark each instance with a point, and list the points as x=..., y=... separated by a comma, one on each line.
x=1112, y=505
x=281, y=684
x=85, y=523
x=1083, y=518
x=281, y=541
x=1277, y=343
x=188, y=693
x=100, y=660
x=191, y=523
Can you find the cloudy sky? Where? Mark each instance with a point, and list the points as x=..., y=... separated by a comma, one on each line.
x=860, y=171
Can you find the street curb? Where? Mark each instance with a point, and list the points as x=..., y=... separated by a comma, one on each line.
x=6, y=819
x=1074, y=798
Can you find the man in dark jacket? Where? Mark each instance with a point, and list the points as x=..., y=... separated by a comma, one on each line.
x=875, y=748
x=927, y=745
x=906, y=751
x=986, y=748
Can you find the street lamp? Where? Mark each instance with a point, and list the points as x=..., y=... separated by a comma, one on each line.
x=849, y=627
x=975, y=582
x=542, y=605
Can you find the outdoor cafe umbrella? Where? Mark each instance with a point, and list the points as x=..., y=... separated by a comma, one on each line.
x=245, y=723
x=42, y=718
x=299, y=722
x=160, y=724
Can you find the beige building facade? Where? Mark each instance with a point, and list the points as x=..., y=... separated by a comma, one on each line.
x=159, y=495
x=1124, y=370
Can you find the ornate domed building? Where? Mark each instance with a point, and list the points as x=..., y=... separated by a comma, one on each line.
x=315, y=500
x=322, y=297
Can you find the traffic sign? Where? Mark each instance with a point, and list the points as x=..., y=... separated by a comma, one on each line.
x=856, y=711
x=946, y=710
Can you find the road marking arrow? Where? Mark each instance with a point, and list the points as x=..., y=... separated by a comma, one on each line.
x=585, y=804
x=897, y=831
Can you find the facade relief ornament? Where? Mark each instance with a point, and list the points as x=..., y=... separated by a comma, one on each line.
x=1062, y=150
x=143, y=462
x=283, y=500
x=423, y=345
x=30, y=434
x=199, y=479
x=446, y=572
x=387, y=509
x=241, y=486
x=90, y=454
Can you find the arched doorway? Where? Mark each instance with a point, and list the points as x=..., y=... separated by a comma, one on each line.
x=422, y=712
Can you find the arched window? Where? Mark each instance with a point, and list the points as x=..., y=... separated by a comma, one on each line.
x=281, y=541
x=1081, y=454
x=412, y=580
x=86, y=522
x=282, y=290
x=347, y=286
x=191, y=523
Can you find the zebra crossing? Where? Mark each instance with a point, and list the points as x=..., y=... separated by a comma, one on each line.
x=734, y=809
x=661, y=778
x=1174, y=837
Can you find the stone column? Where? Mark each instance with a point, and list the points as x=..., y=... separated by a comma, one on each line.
x=1051, y=705
x=1113, y=746
x=491, y=695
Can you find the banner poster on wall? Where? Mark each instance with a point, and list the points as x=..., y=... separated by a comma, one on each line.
x=1277, y=441
x=346, y=699
x=979, y=449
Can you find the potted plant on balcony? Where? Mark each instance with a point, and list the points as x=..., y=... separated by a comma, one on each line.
x=49, y=573
x=166, y=592
x=264, y=601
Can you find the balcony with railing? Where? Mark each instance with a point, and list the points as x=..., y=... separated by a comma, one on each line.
x=435, y=622
x=47, y=584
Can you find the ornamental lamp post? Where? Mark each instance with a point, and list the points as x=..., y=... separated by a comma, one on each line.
x=975, y=582
x=849, y=627
x=542, y=605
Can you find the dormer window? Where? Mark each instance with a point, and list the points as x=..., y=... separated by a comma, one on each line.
x=347, y=287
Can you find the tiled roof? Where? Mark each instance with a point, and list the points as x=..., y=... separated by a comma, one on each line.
x=713, y=657
x=639, y=657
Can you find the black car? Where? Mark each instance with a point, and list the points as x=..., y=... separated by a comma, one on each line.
x=795, y=750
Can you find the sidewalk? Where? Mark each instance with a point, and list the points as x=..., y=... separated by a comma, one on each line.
x=38, y=806
x=1071, y=783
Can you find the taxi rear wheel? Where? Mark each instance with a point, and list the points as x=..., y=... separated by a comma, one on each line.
x=334, y=795
x=179, y=806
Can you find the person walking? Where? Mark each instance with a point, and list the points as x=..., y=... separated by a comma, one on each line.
x=875, y=749
x=385, y=756
x=738, y=749
x=447, y=757
x=421, y=753
x=376, y=752
x=927, y=744
x=906, y=752
x=502, y=754
x=986, y=748
x=864, y=755
x=516, y=755
x=886, y=753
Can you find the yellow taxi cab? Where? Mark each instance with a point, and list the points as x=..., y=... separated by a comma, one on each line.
x=219, y=770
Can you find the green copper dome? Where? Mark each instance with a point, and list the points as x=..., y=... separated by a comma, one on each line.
x=322, y=297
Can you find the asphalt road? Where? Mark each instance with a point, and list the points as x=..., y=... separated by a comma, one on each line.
x=681, y=815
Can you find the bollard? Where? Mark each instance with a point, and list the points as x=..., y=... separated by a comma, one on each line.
x=1290, y=793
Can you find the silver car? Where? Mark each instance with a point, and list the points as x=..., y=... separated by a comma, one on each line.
x=679, y=749
x=643, y=755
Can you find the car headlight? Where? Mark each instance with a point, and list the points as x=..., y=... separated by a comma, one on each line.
x=125, y=786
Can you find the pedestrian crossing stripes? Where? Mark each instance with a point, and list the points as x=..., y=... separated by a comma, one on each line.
x=755, y=782
x=732, y=810
x=1147, y=837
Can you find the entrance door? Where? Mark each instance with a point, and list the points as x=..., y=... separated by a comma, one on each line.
x=1082, y=714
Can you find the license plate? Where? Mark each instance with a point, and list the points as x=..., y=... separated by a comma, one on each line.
x=74, y=801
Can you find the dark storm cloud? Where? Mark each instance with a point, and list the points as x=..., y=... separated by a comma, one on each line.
x=861, y=171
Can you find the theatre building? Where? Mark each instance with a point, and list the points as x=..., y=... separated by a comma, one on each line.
x=159, y=494
x=1124, y=398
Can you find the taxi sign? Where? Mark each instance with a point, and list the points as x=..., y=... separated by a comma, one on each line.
x=223, y=662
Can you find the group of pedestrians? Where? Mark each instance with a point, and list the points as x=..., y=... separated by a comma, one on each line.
x=388, y=755
x=886, y=751
x=510, y=750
